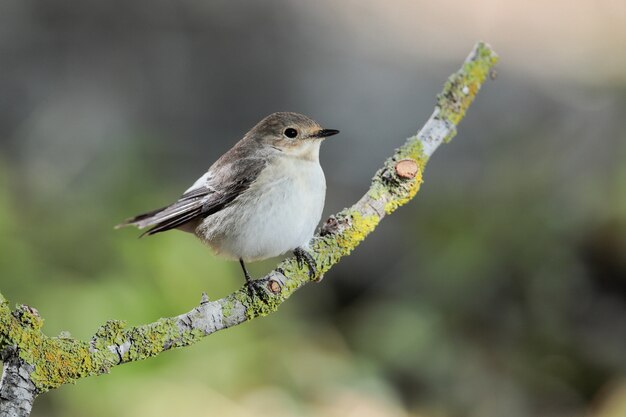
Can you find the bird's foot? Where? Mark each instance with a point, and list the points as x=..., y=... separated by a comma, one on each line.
x=256, y=288
x=302, y=256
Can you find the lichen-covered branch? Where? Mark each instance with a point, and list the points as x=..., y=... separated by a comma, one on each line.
x=17, y=391
x=44, y=362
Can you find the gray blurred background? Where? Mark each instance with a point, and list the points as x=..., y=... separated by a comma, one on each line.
x=499, y=291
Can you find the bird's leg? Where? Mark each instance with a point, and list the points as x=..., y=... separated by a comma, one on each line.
x=246, y=275
x=253, y=289
x=304, y=256
x=245, y=271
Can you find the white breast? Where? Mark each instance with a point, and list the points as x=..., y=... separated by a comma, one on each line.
x=278, y=213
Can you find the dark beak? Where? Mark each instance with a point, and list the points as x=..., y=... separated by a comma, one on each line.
x=324, y=133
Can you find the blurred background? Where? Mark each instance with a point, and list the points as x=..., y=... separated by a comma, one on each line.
x=499, y=291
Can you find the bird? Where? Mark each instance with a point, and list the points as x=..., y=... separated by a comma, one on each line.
x=261, y=199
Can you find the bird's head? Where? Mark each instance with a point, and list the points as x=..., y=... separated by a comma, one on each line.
x=292, y=133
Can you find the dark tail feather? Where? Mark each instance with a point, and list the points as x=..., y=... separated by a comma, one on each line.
x=188, y=207
x=173, y=222
x=166, y=218
x=134, y=221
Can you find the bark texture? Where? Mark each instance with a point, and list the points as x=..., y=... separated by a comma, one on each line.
x=17, y=391
x=35, y=363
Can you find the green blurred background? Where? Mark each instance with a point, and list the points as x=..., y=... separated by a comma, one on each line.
x=499, y=291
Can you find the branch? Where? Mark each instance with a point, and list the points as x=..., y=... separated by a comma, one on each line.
x=17, y=391
x=43, y=363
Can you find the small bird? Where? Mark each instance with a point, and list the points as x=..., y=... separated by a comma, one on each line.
x=262, y=198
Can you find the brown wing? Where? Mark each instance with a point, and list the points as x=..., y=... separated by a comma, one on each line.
x=231, y=175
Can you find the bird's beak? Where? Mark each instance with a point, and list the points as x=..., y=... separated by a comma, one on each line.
x=324, y=133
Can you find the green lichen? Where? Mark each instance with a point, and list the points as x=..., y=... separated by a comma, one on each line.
x=28, y=316
x=227, y=307
x=388, y=187
x=5, y=322
x=412, y=149
x=409, y=189
x=256, y=306
x=330, y=249
x=461, y=88
x=152, y=339
x=61, y=360
x=57, y=361
x=111, y=332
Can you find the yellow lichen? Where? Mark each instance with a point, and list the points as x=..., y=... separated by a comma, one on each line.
x=461, y=88
x=402, y=199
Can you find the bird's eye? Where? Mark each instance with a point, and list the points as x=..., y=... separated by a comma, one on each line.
x=290, y=132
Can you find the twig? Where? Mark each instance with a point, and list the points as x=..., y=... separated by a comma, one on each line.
x=36, y=363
